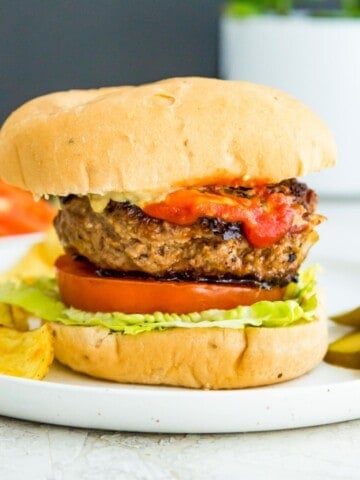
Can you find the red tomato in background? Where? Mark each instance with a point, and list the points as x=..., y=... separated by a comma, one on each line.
x=20, y=213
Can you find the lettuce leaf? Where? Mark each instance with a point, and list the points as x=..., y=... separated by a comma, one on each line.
x=41, y=299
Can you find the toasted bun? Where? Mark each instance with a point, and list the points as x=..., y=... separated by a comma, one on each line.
x=210, y=358
x=161, y=136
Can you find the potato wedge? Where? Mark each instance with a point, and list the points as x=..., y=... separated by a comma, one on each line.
x=345, y=351
x=351, y=318
x=38, y=261
x=20, y=318
x=6, y=316
x=51, y=247
x=26, y=354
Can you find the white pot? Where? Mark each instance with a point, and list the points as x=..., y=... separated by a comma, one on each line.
x=317, y=60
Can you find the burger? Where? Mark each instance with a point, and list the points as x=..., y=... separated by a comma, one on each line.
x=184, y=226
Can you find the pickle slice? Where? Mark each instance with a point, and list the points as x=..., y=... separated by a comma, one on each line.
x=345, y=351
x=351, y=318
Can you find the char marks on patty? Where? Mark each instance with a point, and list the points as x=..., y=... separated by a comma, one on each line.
x=123, y=238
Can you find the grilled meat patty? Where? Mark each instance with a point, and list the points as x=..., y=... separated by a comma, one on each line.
x=123, y=238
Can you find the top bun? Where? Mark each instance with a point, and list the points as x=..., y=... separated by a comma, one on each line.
x=161, y=136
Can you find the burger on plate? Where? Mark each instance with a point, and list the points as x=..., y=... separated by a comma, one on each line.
x=184, y=228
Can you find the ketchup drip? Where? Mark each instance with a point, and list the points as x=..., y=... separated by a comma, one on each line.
x=266, y=217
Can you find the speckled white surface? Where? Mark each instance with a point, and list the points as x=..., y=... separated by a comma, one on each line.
x=42, y=452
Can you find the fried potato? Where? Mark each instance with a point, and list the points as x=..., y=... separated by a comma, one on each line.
x=345, y=351
x=51, y=247
x=38, y=261
x=20, y=318
x=26, y=354
x=6, y=316
x=14, y=317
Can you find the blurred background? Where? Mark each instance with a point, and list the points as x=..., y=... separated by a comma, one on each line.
x=309, y=48
x=48, y=45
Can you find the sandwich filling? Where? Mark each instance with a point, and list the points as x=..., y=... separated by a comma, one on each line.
x=42, y=299
x=246, y=235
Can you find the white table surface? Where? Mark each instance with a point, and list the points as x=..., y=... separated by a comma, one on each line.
x=35, y=451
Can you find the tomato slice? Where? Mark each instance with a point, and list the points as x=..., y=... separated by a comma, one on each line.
x=81, y=288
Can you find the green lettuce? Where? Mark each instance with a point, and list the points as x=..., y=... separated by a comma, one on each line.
x=41, y=299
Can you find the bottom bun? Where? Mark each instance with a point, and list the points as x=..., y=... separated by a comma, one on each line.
x=211, y=358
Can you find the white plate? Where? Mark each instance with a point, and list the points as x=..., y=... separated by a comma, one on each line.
x=326, y=395
x=12, y=247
